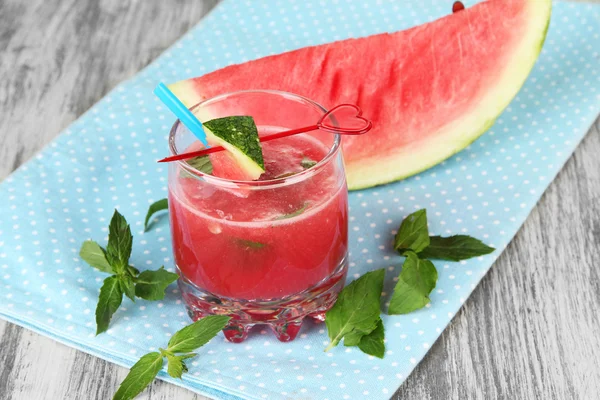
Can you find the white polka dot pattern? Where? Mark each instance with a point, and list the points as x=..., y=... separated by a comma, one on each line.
x=107, y=159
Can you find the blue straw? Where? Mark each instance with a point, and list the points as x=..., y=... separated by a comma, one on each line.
x=186, y=117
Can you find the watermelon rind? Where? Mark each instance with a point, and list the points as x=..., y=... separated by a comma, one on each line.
x=239, y=136
x=460, y=133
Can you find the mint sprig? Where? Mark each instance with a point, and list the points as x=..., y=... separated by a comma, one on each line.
x=419, y=276
x=184, y=341
x=355, y=316
x=125, y=279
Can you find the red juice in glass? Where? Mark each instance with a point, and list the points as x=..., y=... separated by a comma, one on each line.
x=272, y=251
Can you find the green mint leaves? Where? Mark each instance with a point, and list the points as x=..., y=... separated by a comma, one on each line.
x=95, y=255
x=141, y=375
x=373, y=343
x=120, y=240
x=125, y=279
x=176, y=365
x=416, y=281
x=201, y=163
x=307, y=163
x=184, y=341
x=356, y=312
x=197, y=334
x=111, y=295
x=162, y=204
x=294, y=213
x=413, y=233
x=455, y=248
x=248, y=244
x=355, y=317
x=151, y=285
x=419, y=276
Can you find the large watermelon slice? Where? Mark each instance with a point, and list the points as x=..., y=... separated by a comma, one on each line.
x=430, y=90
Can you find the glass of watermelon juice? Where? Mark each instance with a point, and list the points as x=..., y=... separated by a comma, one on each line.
x=267, y=252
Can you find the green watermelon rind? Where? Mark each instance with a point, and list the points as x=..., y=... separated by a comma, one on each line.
x=239, y=136
x=362, y=176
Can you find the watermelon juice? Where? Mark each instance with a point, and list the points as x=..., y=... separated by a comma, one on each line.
x=272, y=251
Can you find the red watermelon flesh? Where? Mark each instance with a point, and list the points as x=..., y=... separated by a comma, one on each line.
x=224, y=164
x=430, y=90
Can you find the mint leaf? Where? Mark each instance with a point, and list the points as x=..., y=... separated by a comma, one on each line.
x=455, y=248
x=201, y=163
x=197, y=334
x=120, y=240
x=127, y=286
x=151, y=285
x=249, y=244
x=109, y=301
x=287, y=174
x=162, y=204
x=183, y=341
x=353, y=338
x=141, y=375
x=413, y=233
x=133, y=271
x=176, y=367
x=93, y=254
x=294, y=213
x=416, y=281
x=372, y=343
x=307, y=163
x=357, y=308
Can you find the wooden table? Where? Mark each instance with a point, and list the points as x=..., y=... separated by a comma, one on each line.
x=530, y=330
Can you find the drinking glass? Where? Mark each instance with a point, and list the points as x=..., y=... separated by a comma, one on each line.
x=268, y=252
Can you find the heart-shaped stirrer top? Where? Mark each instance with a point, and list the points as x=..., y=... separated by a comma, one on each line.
x=345, y=119
x=349, y=120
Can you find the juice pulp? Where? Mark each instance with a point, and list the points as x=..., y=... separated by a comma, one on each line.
x=262, y=244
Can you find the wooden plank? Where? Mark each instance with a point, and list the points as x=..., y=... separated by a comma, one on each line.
x=529, y=331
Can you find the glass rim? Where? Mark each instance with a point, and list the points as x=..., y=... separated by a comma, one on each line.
x=266, y=184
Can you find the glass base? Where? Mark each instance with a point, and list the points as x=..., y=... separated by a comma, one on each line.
x=284, y=316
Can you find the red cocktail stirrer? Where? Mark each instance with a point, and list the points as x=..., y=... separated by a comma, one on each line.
x=348, y=116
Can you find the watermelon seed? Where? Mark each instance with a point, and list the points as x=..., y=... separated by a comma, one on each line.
x=457, y=6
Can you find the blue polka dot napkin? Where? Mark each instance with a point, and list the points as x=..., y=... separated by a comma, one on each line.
x=106, y=159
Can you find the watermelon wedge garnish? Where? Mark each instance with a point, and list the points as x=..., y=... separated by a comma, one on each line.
x=242, y=159
x=429, y=90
